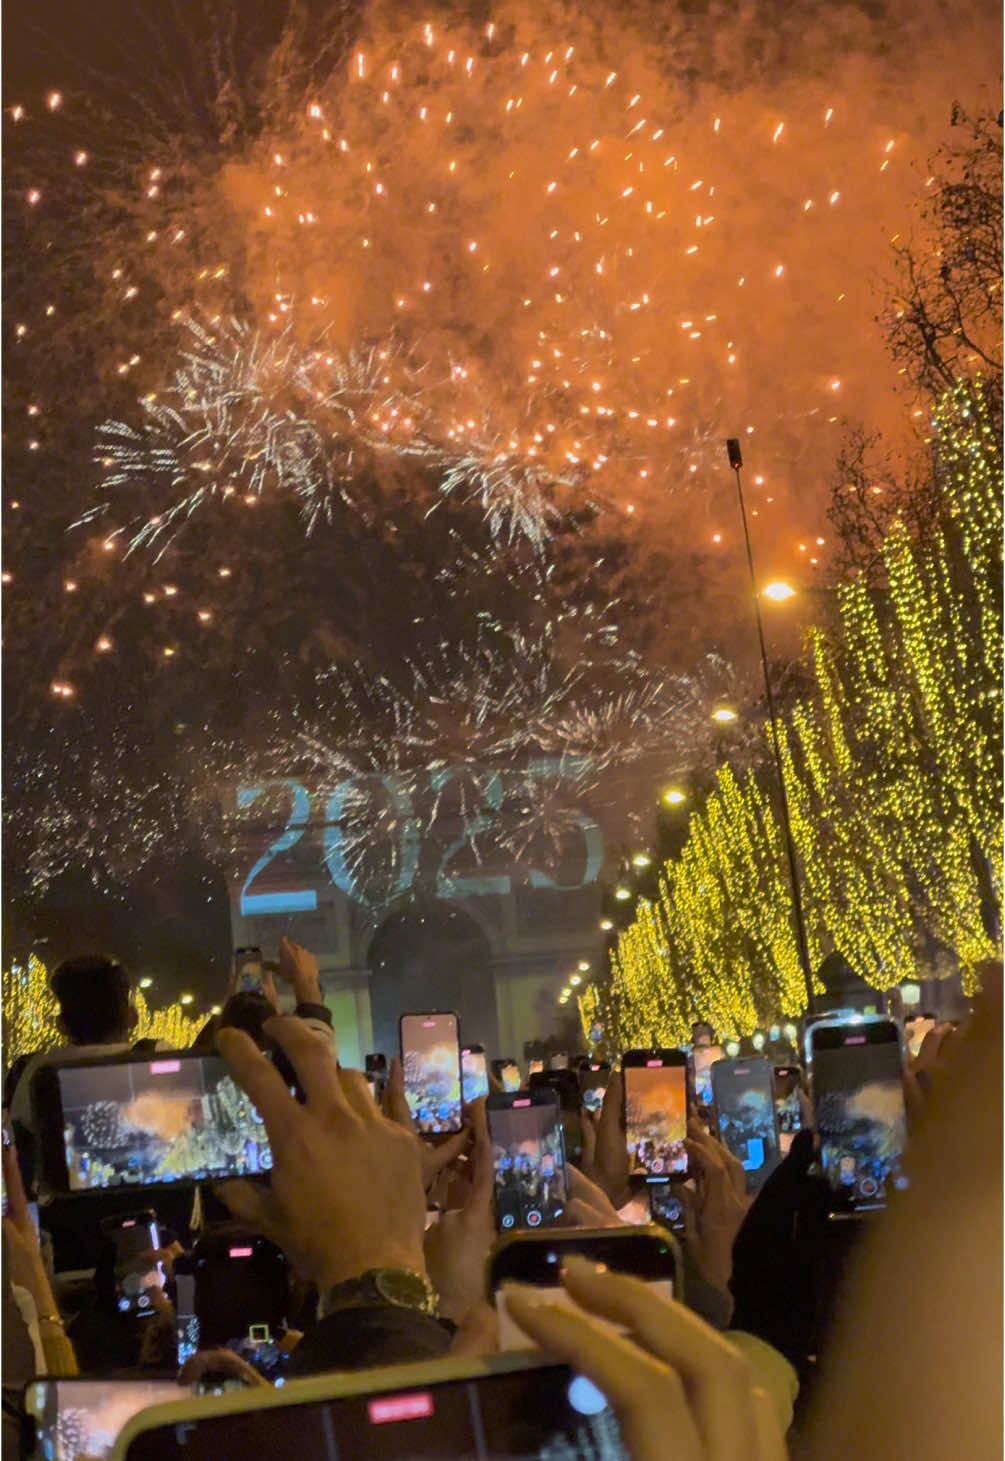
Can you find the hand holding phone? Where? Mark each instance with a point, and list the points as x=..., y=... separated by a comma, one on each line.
x=475, y=1075
x=248, y=969
x=138, y=1272
x=744, y=1099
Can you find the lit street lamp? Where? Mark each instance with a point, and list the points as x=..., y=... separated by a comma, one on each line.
x=723, y=714
x=778, y=591
x=674, y=797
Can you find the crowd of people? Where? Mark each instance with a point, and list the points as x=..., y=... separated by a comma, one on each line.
x=790, y=1333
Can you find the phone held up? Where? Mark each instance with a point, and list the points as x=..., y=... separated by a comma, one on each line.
x=788, y=1081
x=135, y=1238
x=856, y=1077
x=531, y=1181
x=431, y=1063
x=655, y=1083
x=248, y=968
x=647, y=1253
x=507, y=1073
x=744, y=1100
x=565, y=1084
x=474, y=1073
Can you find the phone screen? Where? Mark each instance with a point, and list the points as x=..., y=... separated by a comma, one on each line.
x=703, y=1057
x=509, y=1076
x=544, y=1411
x=248, y=962
x=475, y=1075
x=531, y=1182
x=593, y=1082
x=80, y=1420
x=745, y=1115
x=431, y=1061
x=656, y=1118
x=858, y=1098
x=559, y=1061
x=533, y=1066
x=138, y=1123
x=915, y=1031
x=136, y=1239
x=788, y=1111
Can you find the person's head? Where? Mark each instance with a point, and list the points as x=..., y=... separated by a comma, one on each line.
x=93, y=995
x=702, y=1033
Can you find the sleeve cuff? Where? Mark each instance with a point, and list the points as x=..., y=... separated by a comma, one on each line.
x=314, y=1012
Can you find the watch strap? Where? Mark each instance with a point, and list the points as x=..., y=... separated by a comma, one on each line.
x=396, y=1287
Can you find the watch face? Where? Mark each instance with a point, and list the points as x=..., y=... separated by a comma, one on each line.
x=399, y=1287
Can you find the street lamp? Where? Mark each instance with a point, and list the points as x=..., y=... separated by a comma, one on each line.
x=736, y=462
x=674, y=797
x=606, y=924
x=575, y=980
x=641, y=859
x=622, y=893
x=723, y=714
x=146, y=982
x=778, y=591
x=584, y=967
x=186, y=999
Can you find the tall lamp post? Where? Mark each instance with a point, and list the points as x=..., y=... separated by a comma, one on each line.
x=736, y=462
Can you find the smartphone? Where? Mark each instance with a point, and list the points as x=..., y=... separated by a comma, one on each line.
x=744, y=1101
x=533, y=1066
x=594, y=1077
x=666, y=1205
x=180, y=1118
x=239, y=1286
x=655, y=1113
x=80, y=1420
x=647, y=1253
x=431, y=1061
x=248, y=964
x=787, y=1081
x=520, y=1407
x=915, y=1030
x=531, y=1182
x=559, y=1060
x=136, y=1238
x=703, y=1057
x=507, y=1073
x=856, y=1079
x=565, y=1084
x=474, y=1073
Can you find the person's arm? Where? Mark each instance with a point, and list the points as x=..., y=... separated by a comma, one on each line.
x=27, y=1273
x=298, y=967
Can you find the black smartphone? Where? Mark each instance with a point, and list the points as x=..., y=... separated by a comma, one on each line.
x=248, y=964
x=507, y=1073
x=647, y=1253
x=594, y=1078
x=240, y=1285
x=534, y=1065
x=703, y=1057
x=531, y=1182
x=559, y=1060
x=80, y=1419
x=180, y=1118
x=474, y=1073
x=788, y=1081
x=744, y=1099
x=565, y=1084
x=375, y=1063
x=186, y=1319
x=655, y=1084
x=514, y=1406
x=136, y=1238
x=431, y=1061
x=856, y=1076
x=915, y=1030
x=666, y=1205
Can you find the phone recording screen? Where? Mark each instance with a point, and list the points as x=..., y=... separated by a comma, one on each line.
x=80, y=1420
x=509, y=1075
x=475, y=1075
x=529, y=1151
x=431, y=1061
x=656, y=1118
x=137, y=1271
x=593, y=1082
x=173, y=1119
x=788, y=1111
x=703, y=1057
x=745, y=1115
x=548, y=1411
x=859, y=1107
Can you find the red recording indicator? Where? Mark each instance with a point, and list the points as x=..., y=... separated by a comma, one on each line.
x=240, y=1252
x=400, y=1407
x=855, y=1040
x=525, y=1102
x=129, y=1222
x=165, y=1067
x=428, y=1024
x=658, y=1064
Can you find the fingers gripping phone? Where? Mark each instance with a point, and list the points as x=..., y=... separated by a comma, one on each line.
x=138, y=1272
x=647, y=1253
x=655, y=1083
x=531, y=1182
x=431, y=1062
x=565, y=1084
x=744, y=1100
x=858, y=1101
x=474, y=1073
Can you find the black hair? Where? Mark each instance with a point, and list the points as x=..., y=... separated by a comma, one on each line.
x=93, y=995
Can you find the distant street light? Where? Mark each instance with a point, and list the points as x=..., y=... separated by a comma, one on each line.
x=723, y=714
x=622, y=893
x=584, y=967
x=187, y=999
x=606, y=924
x=778, y=591
x=575, y=980
x=673, y=797
x=641, y=859
x=146, y=982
